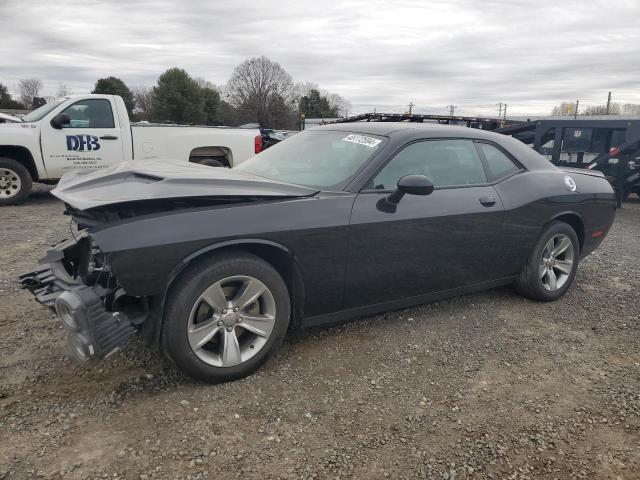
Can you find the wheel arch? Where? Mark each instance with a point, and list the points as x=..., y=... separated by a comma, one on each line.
x=275, y=254
x=23, y=156
x=574, y=220
x=214, y=151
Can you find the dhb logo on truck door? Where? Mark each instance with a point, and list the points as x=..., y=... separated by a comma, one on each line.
x=82, y=142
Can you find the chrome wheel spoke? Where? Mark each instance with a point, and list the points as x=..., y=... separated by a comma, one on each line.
x=215, y=297
x=230, y=349
x=564, y=266
x=202, y=333
x=250, y=292
x=261, y=325
x=553, y=280
x=562, y=246
x=543, y=271
x=549, y=247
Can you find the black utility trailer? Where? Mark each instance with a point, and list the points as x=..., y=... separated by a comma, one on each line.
x=610, y=144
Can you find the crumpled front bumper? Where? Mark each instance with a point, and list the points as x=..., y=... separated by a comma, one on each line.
x=93, y=332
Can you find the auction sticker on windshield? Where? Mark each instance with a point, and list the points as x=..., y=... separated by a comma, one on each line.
x=362, y=140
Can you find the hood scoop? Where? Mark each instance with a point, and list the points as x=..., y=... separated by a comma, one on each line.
x=156, y=180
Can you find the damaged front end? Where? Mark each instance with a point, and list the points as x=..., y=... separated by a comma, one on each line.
x=78, y=284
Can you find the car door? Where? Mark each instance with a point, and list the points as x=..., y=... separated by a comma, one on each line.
x=450, y=238
x=90, y=140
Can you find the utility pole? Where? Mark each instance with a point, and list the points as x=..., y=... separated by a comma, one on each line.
x=575, y=113
x=411, y=105
x=452, y=108
x=608, y=103
x=500, y=110
x=504, y=111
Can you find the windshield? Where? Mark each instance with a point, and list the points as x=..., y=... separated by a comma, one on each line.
x=314, y=158
x=39, y=113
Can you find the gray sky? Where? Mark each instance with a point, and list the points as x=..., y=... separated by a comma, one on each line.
x=377, y=54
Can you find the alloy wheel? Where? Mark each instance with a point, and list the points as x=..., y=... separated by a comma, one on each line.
x=556, y=262
x=10, y=183
x=231, y=321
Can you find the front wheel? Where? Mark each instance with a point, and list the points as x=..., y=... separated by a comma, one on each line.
x=551, y=267
x=225, y=317
x=15, y=182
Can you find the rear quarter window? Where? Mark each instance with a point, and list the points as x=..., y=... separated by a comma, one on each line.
x=499, y=165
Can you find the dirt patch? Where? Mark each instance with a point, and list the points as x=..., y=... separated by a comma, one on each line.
x=482, y=386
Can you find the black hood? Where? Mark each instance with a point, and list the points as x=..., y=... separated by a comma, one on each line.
x=155, y=180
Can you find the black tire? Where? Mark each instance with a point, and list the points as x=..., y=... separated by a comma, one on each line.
x=529, y=283
x=9, y=167
x=213, y=162
x=184, y=294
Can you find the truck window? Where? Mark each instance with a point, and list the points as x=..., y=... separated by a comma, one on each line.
x=91, y=113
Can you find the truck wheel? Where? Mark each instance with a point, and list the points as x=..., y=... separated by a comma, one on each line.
x=213, y=162
x=15, y=182
x=225, y=317
x=552, y=265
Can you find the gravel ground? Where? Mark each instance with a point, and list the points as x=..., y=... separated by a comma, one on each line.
x=482, y=386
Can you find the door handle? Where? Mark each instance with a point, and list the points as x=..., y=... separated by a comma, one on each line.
x=487, y=201
x=108, y=137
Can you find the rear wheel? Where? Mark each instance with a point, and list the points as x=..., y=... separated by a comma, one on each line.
x=226, y=317
x=15, y=182
x=551, y=267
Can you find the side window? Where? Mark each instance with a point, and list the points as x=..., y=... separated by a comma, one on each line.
x=95, y=113
x=498, y=163
x=445, y=162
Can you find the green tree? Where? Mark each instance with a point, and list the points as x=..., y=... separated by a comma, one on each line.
x=226, y=114
x=211, y=99
x=115, y=86
x=315, y=105
x=178, y=98
x=6, y=101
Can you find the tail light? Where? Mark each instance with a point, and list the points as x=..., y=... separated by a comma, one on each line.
x=613, y=151
x=258, y=143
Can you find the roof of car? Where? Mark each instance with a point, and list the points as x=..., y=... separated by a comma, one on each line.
x=405, y=131
x=425, y=129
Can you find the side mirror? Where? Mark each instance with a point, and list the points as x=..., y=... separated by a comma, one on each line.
x=411, y=185
x=60, y=120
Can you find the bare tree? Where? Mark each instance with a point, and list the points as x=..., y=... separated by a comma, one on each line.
x=29, y=89
x=339, y=104
x=144, y=102
x=564, y=109
x=63, y=90
x=614, y=109
x=205, y=83
x=631, y=109
x=262, y=91
x=302, y=89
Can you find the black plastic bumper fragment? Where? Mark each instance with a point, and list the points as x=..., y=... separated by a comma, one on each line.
x=44, y=285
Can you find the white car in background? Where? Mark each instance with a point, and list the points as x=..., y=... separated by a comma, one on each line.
x=88, y=132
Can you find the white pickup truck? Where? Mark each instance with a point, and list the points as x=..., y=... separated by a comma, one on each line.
x=93, y=131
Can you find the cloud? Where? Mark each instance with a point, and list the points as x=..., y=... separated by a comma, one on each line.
x=377, y=54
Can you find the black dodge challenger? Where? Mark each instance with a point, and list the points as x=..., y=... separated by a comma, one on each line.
x=215, y=265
